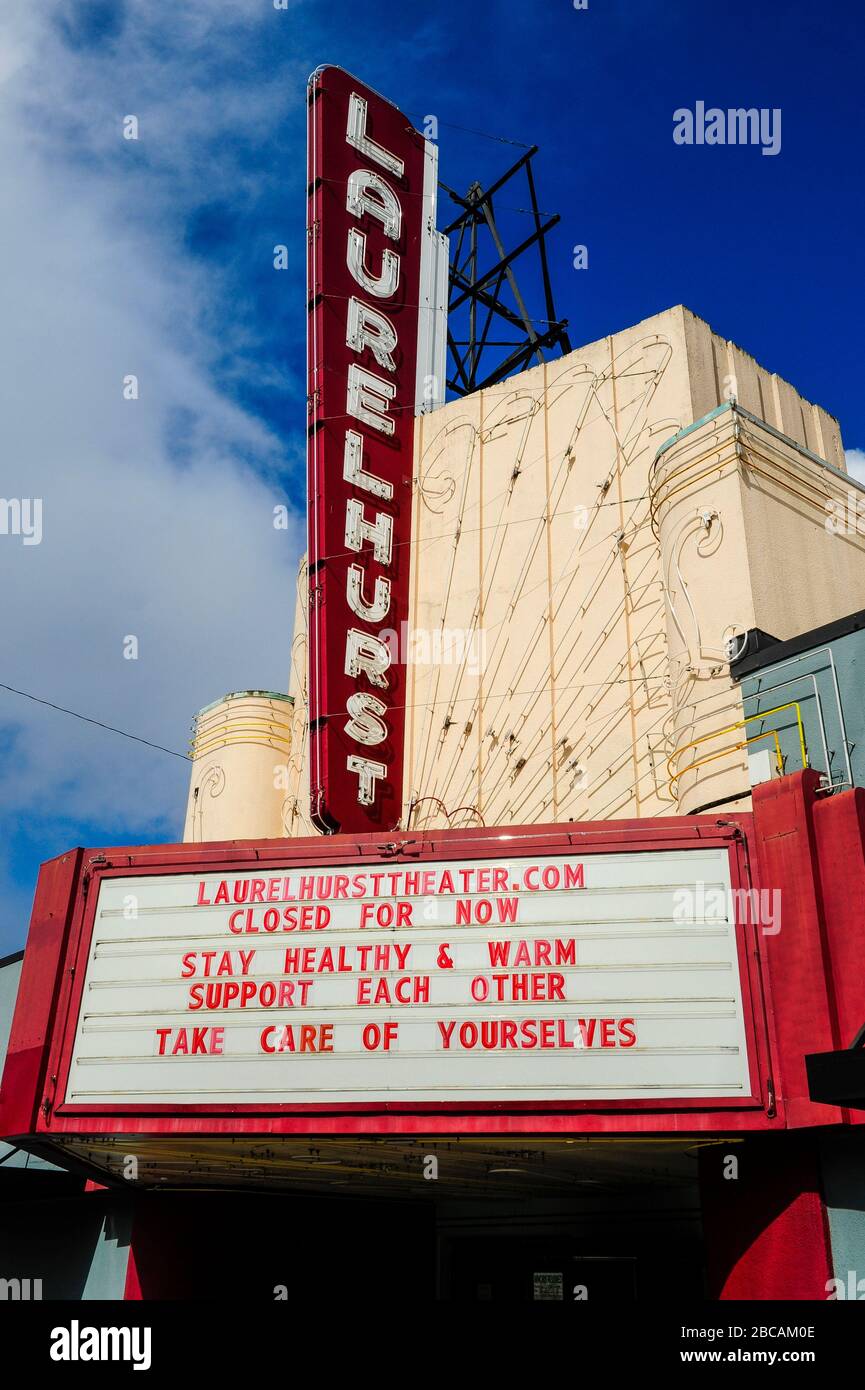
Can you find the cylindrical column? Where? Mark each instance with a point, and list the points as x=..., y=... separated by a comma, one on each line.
x=240, y=749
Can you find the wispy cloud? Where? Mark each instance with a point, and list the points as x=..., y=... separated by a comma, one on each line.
x=855, y=459
x=157, y=513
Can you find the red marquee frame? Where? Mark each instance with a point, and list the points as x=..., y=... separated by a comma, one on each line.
x=802, y=988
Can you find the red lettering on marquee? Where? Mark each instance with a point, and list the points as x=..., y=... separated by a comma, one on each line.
x=190, y=1042
x=526, y=1034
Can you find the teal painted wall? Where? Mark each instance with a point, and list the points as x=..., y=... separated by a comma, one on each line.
x=9, y=976
x=842, y=1158
x=809, y=679
x=76, y=1243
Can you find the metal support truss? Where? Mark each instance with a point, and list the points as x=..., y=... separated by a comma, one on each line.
x=476, y=300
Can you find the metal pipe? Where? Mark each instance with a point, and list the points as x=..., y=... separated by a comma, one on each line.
x=806, y=675
x=729, y=728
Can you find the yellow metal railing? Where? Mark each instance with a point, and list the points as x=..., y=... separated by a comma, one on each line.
x=743, y=743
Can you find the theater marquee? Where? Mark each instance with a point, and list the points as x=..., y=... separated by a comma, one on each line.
x=559, y=978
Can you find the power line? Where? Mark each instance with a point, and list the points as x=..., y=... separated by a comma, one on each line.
x=504, y=694
x=502, y=207
x=98, y=722
x=467, y=130
x=410, y=304
x=491, y=526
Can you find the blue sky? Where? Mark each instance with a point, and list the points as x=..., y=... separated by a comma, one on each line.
x=154, y=257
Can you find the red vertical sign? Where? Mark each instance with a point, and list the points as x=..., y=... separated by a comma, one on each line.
x=366, y=171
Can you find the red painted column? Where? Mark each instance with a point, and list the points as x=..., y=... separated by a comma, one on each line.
x=839, y=829
x=794, y=951
x=35, y=1007
x=765, y=1230
x=764, y=1218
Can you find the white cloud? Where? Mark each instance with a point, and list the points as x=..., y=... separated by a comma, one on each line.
x=157, y=513
x=855, y=459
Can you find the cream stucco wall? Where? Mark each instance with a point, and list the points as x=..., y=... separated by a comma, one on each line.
x=747, y=524
x=573, y=587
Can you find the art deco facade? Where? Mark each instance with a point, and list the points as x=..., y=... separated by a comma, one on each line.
x=591, y=541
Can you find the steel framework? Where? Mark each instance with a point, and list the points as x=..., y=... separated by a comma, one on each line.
x=476, y=360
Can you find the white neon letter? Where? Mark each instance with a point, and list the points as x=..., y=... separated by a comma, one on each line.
x=354, y=472
x=365, y=724
x=358, y=530
x=356, y=135
x=370, y=193
x=367, y=398
x=367, y=654
x=374, y=612
x=368, y=772
x=369, y=328
x=381, y=286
